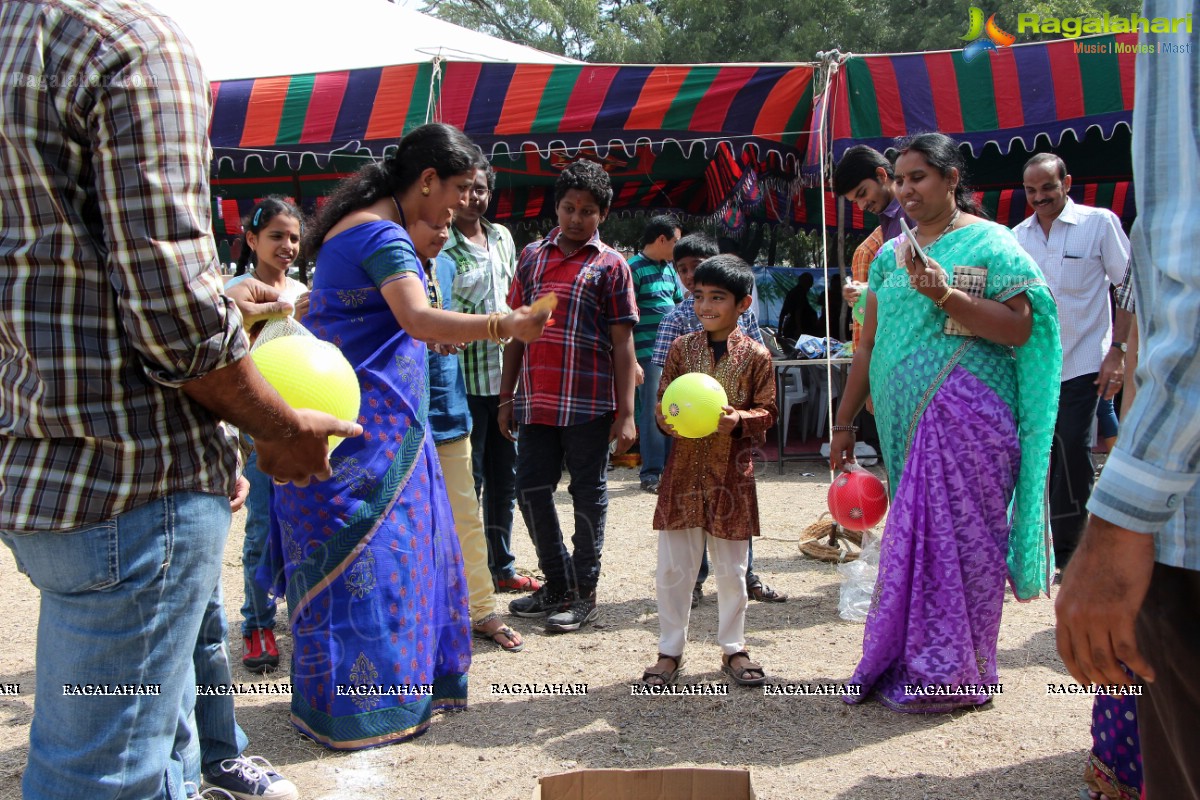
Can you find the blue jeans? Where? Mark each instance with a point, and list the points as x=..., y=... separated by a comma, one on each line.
x=220, y=735
x=493, y=460
x=652, y=442
x=542, y=451
x=1106, y=415
x=258, y=609
x=121, y=603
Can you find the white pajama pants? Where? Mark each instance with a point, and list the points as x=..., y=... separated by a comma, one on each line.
x=679, y=555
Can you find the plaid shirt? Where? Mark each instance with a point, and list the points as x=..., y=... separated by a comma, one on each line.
x=567, y=374
x=684, y=320
x=481, y=281
x=860, y=270
x=108, y=268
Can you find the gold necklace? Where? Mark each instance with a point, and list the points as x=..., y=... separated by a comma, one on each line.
x=949, y=227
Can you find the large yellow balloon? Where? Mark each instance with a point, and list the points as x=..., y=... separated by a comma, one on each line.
x=692, y=404
x=310, y=373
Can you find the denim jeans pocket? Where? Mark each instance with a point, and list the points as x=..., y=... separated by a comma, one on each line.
x=78, y=560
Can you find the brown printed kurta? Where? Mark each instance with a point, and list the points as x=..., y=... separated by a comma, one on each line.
x=709, y=483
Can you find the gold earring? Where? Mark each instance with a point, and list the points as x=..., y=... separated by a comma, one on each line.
x=425, y=191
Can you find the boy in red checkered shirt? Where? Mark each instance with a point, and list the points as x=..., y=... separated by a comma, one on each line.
x=575, y=393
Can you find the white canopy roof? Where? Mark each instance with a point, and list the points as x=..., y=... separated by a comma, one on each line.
x=262, y=38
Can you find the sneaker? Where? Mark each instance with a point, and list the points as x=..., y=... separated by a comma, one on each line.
x=194, y=793
x=578, y=613
x=251, y=778
x=539, y=604
x=697, y=594
x=650, y=485
x=260, y=653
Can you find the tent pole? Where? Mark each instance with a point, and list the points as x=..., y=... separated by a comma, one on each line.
x=298, y=196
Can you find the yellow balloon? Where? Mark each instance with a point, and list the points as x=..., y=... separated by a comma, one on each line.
x=692, y=404
x=310, y=373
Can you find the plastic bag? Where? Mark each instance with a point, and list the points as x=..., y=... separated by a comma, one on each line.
x=858, y=580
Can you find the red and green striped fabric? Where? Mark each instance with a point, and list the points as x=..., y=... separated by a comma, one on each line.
x=1012, y=94
x=514, y=107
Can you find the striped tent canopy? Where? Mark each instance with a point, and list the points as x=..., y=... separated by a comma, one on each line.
x=512, y=108
x=1008, y=97
x=670, y=136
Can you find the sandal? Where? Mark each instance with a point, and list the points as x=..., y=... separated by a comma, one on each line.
x=662, y=677
x=745, y=675
x=478, y=632
x=757, y=590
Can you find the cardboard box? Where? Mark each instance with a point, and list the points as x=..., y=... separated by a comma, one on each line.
x=646, y=784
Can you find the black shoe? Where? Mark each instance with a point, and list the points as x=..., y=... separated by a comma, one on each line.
x=650, y=485
x=539, y=604
x=574, y=616
x=697, y=594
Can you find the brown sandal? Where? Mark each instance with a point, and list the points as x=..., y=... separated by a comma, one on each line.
x=662, y=677
x=757, y=590
x=743, y=675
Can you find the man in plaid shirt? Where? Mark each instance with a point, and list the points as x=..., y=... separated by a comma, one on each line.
x=118, y=358
x=575, y=395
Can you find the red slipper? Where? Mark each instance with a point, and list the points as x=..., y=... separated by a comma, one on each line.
x=518, y=583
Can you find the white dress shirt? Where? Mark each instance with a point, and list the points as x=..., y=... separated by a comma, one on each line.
x=1085, y=252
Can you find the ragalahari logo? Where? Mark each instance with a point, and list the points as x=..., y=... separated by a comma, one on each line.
x=984, y=36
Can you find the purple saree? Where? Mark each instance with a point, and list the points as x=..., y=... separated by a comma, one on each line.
x=930, y=641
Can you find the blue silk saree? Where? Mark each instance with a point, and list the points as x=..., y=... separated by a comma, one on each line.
x=369, y=560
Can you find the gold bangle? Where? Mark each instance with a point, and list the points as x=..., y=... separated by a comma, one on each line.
x=492, y=321
x=501, y=340
x=942, y=301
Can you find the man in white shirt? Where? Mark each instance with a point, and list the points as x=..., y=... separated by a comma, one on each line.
x=1081, y=251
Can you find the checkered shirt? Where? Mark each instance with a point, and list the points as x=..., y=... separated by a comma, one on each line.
x=108, y=269
x=567, y=375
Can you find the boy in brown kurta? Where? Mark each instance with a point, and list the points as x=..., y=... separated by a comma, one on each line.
x=707, y=488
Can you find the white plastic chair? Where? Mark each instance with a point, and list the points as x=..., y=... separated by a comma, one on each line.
x=819, y=409
x=795, y=394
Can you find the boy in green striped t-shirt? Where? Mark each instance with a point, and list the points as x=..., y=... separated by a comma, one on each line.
x=658, y=292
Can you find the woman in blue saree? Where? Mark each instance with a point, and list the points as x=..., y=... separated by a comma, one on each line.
x=965, y=388
x=368, y=559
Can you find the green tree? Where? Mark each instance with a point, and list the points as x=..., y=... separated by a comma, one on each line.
x=714, y=31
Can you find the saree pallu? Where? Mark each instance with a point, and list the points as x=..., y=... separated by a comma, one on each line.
x=966, y=426
x=371, y=565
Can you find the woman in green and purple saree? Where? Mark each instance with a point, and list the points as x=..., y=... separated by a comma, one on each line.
x=960, y=354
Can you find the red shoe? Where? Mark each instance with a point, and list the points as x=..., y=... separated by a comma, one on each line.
x=260, y=652
x=518, y=583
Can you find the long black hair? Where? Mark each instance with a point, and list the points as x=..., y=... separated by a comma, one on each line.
x=435, y=145
x=267, y=209
x=942, y=153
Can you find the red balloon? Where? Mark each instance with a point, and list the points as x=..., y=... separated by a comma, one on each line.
x=857, y=500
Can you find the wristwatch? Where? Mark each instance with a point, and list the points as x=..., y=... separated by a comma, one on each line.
x=1124, y=348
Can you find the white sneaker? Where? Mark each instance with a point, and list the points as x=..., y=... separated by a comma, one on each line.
x=251, y=778
x=194, y=793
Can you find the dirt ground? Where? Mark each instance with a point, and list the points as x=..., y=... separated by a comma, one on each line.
x=1025, y=746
